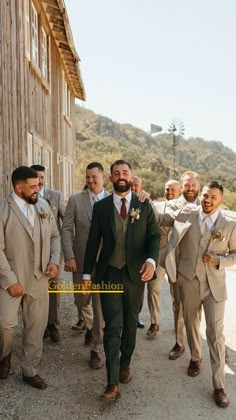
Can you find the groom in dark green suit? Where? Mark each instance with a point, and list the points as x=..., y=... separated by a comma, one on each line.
x=128, y=232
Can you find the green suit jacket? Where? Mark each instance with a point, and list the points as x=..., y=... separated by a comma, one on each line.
x=142, y=238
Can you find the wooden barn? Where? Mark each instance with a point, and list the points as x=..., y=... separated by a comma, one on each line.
x=39, y=81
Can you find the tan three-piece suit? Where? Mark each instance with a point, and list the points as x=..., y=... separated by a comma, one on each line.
x=75, y=231
x=199, y=283
x=58, y=206
x=25, y=252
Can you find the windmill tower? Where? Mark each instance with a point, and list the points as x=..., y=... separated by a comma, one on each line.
x=176, y=129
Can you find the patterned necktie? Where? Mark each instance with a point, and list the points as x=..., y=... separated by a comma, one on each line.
x=123, y=211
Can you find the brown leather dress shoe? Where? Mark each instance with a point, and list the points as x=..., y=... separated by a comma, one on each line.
x=125, y=375
x=111, y=393
x=221, y=398
x=95, y=360
x=194, y=368
x=54, y=333
x=80, y=326
x=153, y=329
x=35, y=381
x=176, y=352
x=5, y=366
x=88, y=337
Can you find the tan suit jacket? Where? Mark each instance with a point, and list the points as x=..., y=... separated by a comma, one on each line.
x=57, y=204
x=75, y=228
x=17, y=247
x=224, y=246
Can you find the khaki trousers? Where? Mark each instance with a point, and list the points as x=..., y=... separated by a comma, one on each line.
x=214, y=314
x=92, y=315
x=35, y=316
x=153, y=297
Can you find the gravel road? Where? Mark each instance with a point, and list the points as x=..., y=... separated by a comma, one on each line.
x=160, y=388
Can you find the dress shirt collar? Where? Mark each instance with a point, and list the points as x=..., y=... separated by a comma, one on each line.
x=42, y=192
x=212, y=217
x=117, y=198
x=22, y=204
x=99, y=195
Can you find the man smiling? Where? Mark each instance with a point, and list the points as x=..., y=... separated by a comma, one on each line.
x=130, y=238
x=204, y=241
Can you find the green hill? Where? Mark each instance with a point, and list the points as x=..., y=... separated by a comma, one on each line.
x=101, y=139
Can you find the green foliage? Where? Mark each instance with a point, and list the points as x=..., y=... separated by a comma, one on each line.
x=101, y=139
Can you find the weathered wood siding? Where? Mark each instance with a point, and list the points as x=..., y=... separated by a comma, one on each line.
x=26, y=106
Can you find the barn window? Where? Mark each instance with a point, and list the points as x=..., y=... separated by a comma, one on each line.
x=34, y=36
x=44, y=55
x=66, y=100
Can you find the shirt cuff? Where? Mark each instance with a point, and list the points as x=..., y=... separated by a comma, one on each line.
x=86, y=276
x=153, y=262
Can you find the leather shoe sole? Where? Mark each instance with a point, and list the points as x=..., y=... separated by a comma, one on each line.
x=112, y=393
x=152, y=331
x=221, y=398
x=176, y=352
x=194, y=368
x=35, y=381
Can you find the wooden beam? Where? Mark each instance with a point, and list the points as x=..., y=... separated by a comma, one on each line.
x=53, y=11
x=56, y=20
x=52, y=3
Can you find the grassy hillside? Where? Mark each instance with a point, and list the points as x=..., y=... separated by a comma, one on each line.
x=101, y=139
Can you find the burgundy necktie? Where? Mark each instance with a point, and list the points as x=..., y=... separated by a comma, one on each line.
x=123, y=211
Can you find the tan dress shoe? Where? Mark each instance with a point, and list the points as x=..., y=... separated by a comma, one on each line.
x=221, y=398
x=111, y=393
x=35, y=381
x=125, y=375
x=153, y=329
x=194, y=368
x=176, y=352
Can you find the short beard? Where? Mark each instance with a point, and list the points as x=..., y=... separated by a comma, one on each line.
x=30, y=200
x=121, y=188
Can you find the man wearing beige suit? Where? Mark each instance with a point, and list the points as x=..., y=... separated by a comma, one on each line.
x=58, y=206
x=190, y=190
x=29, y=255
x=75, y=230
x=202, y=245
x=172, y=192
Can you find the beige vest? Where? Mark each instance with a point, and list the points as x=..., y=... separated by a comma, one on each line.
x=192, y=247
x=118, y=258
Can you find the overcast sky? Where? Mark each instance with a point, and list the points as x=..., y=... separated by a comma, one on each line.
x=147, y=61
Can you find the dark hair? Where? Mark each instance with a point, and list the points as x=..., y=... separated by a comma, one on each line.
x=95, y=165
x=22, y=174
x=38, y=168
x=215, y=184
x=120, y=162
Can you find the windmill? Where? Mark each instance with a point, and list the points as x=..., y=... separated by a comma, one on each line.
x=176, y=128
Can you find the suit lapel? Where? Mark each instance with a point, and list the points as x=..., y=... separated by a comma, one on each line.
x=110, y=213
x=20, y=215
x=87, y=204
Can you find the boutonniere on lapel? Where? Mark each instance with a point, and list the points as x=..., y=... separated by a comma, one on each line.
x=134, y=214
x=218, y=236
x=44, y=215
x=49, y=200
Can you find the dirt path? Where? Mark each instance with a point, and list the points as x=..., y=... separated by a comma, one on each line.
x=160, y=388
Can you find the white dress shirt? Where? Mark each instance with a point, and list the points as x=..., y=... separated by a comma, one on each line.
x=28, y=210
x=210, y=219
